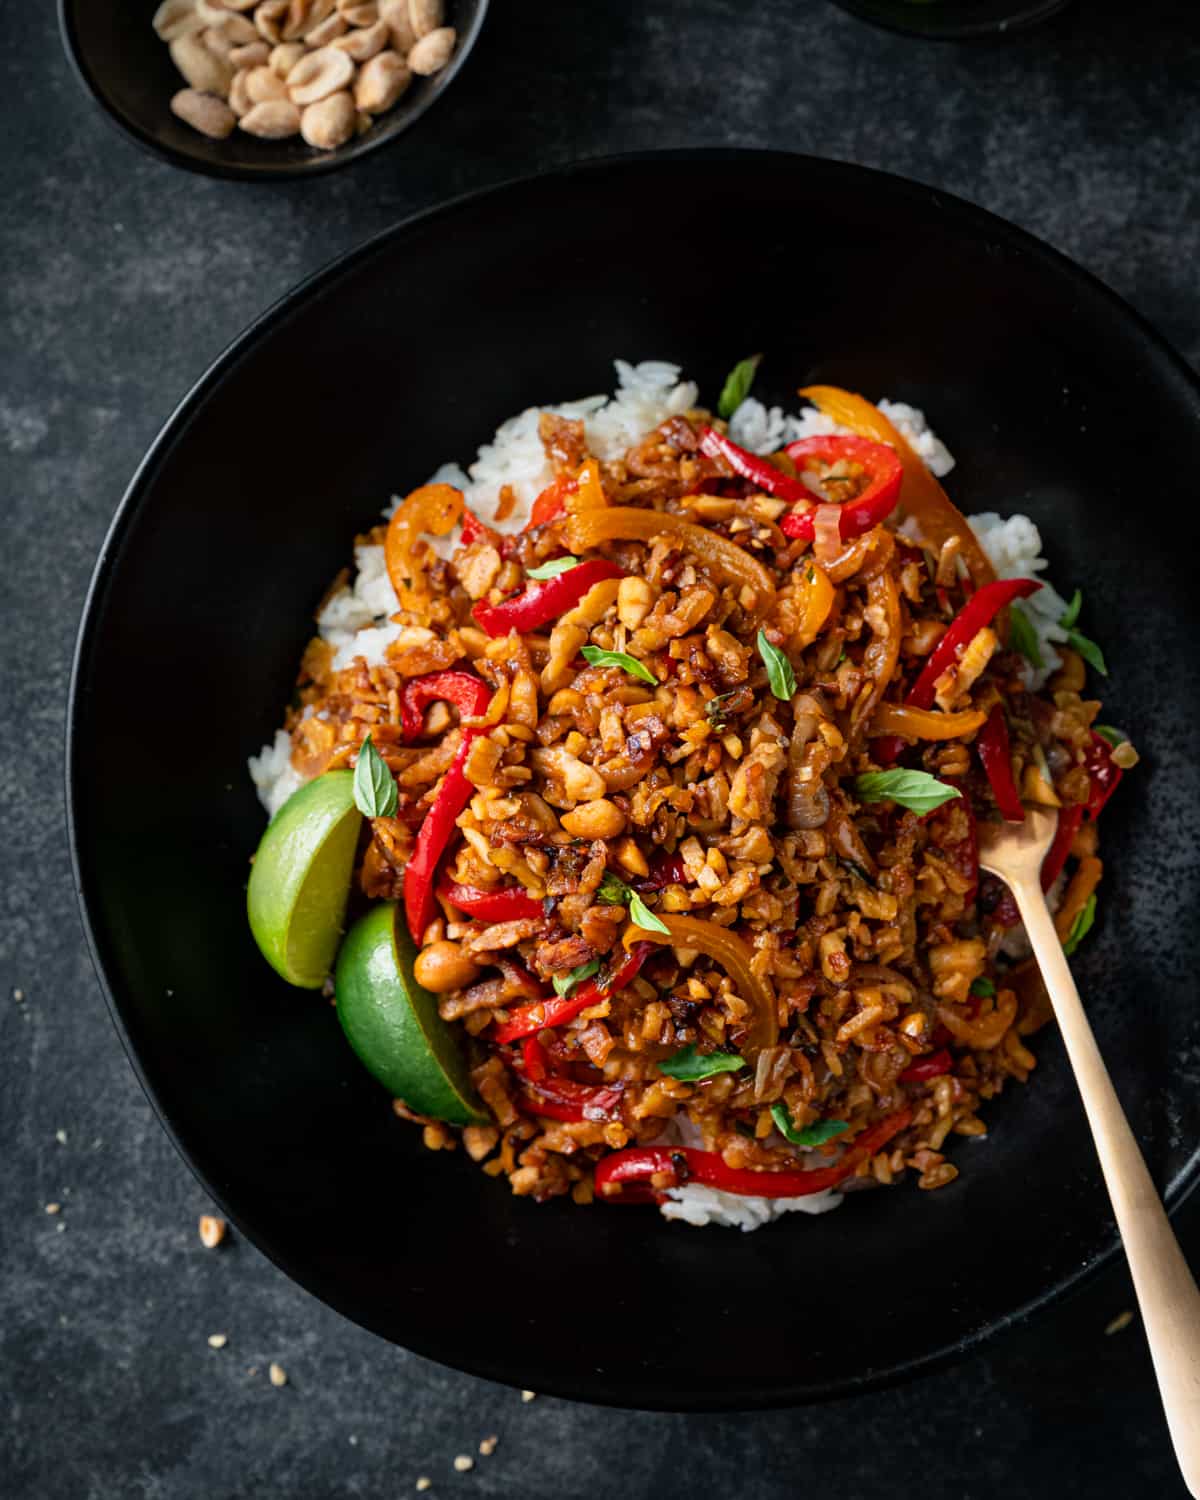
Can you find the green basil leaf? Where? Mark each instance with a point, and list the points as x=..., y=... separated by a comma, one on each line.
x=689, y=1066
x=1089, y=650
x=1071, y=613
x=1113, y=736
x=640, y=913
x=779, y=669
x=1081, y=926
x=553, y=568
x=983, y=987
x=1022, y=636
x=565, y=983
x=737, y=385
x=613, y=891
x=627, y=663
x=811, y=1135
x=916, y=790
x=375, y=793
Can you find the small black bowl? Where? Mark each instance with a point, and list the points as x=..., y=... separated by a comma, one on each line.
x=954, y=20
x=128, y=71
x=1057, y=400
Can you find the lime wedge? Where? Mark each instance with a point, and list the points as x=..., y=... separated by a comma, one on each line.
x=393, y=1024
x=300, y=879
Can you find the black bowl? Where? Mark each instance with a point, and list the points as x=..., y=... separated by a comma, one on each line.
x=121, y=62
x=954, y=20
x=1057, y=400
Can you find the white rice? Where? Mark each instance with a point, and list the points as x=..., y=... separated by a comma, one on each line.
x=698, y=1205
x=356, y=619
x=1014, y=548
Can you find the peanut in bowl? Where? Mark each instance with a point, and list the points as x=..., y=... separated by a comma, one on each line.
x=173, y=76
x=208, y=594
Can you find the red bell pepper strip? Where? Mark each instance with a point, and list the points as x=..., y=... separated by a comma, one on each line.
x=1069, y=819
x=626, y=1175
x=996, y=756
x=552, y=502
x=468, y=693
x=436, y=832
x=924, y=1068
x=560, y=1009
x=757, y=470
x=544, y=601
x=980, y=609
x=554, y=1097
x=875, y=503
x=507, y=905
x=1105, y=773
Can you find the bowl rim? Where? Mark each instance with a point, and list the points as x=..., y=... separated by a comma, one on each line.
x=580, y=1387
x=317, y=165
x=934, y=30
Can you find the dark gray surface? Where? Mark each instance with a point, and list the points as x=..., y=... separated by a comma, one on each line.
x=121, y=280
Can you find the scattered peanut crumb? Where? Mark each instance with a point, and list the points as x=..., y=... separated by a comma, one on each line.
x=1122, y=1320
x=424, y=1482
x=353, y=1440
x=212, y=1231
x=463, y=1464
x=277, y=1374
x=54, y=1208
x=528, y=1396
x=61, y=1227
x=18, y=996
x=217, y=1340
x=251, y=1369
x=488, y=1446
x=61, y=1137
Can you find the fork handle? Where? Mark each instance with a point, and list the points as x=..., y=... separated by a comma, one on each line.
x=1166, y=1290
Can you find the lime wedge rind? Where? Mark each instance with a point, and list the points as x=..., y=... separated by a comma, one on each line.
x=393, y=1025
x=300, y=879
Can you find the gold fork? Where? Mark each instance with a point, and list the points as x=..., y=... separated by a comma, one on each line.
x=1166, y=1291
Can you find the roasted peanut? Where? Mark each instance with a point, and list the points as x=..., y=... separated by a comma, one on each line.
x=252, y=55
x=424, y=16
x=176, y=18
x=359, y=12
x=262, y=83
x=600, y=819
x=204, y=70
x=443, y=966
x=330, y=122
x=273, y=120
x=204, y=112
x=285, y=57
x=432, y=52
x=381, y=81
x=318, y=75
x=364, y=42
x=303, y=16
x=327, y=32
x=269, y=17
x=395, y=13
x=635, y=600
x=239, y=100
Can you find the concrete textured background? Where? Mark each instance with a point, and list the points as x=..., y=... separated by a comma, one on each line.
x=121, y=279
